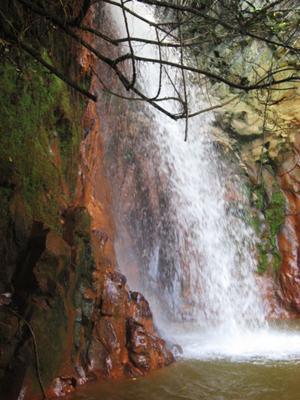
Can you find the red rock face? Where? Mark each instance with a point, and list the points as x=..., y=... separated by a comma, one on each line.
x=116, y=323
x=289, y=237
x=272, y=296
x=124, y=339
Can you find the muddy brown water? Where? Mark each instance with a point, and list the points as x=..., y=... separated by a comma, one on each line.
x=205, y=380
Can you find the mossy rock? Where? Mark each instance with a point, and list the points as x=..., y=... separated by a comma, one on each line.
x=267, y=221
x=275, y=213
x=28, y=118
x=82, y=223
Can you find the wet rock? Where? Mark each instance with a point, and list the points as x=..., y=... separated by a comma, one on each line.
x=76, y=224
x=114, y=295
x=82, y=378
x=5, y=298
x=108, y=364
x=289, y=238
x=160, y=355
x=62, y=386
x=175, y=349
x=97, y=354
x=107, y=335
x=272, y=298
x=9, y=326
x=101, y=236
x=141, y=361
x=131, y=371
x=146, y=351
x=140, y=309
x=137, y=339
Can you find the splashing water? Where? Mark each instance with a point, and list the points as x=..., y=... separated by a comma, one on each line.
x=202, y=265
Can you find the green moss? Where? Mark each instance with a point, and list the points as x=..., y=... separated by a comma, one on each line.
x=258, y=197
x=29, y=121
x=255, y=223
x=276, y=260
x=82, y=227
x=273, y=210
x=275, y=214
x=263, y=262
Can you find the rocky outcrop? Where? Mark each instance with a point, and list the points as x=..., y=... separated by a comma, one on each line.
x=125, y=335
x=274, y=184
x=289, y=238
x=262, y=130
x=67, y=315
x=82, y=316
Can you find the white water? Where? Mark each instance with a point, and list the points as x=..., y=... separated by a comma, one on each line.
x=260, y=345
x=212, y=247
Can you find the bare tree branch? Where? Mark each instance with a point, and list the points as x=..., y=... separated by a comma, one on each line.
x=208, y=24
x=35, y=54
x=185, y=103
x=133, y=79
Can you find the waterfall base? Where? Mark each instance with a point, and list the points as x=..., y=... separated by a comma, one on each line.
x=278, y=343
x=207, y=380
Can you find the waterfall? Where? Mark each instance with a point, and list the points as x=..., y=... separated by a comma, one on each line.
x=214, y=247
x=206, y=247
x=195, y=248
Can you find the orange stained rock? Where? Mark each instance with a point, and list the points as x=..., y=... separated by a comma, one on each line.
x=289, y=237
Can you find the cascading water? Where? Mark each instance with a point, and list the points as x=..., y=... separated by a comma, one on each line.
x=202, y=263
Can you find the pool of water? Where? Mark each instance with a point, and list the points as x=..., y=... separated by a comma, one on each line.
x=258, y=366
x=205, y=380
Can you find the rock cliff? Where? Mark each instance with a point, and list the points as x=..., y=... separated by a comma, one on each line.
x=263, y=135
x=67, y=314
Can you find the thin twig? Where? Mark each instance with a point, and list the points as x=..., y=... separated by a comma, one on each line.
x=265, y=116
x=55, y=71
x=204, y=110
x=133, y=79
x=185, y=103
x=37, y=360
